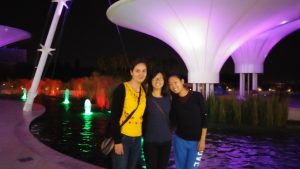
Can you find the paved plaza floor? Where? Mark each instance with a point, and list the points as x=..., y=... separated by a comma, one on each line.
x=21, y=150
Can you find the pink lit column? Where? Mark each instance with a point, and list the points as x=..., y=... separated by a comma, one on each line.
x=254, y=81
x=242, y=84
x=206, y=89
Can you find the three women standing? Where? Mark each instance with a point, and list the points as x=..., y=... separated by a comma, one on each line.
x=187, y=114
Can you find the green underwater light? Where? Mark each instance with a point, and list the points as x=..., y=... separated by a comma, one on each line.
x=67, y=95
x=143, y=155
x=24, y=96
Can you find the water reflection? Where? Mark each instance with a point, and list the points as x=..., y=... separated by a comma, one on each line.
x=66, y=107
x=67, y=132
x=236, y=151
x=86, y=134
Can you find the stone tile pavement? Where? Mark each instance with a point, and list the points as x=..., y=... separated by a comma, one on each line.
x=19, y=149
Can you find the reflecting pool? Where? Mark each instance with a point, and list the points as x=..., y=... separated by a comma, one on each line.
x=67, y=129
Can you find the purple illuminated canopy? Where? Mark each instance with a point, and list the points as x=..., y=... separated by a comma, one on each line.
x=250, y=57
x=10, y=35
x=203, y=32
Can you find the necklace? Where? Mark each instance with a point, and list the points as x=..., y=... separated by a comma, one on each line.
x=133, y=91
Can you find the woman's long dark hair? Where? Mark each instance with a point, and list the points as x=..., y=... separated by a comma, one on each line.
x=152, y=74
x=137, y=61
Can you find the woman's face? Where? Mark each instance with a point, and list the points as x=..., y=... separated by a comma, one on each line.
x=175, y=84
x=139, y=72
x=158, y=81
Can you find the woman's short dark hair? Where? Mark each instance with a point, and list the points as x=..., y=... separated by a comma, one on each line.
x=152, y=74
x=176, y=74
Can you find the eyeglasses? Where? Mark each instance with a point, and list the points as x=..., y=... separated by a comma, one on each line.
x=158, y=79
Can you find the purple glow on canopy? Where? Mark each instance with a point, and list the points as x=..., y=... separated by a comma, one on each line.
x=10, y=35
x=250, y=57
x=284, y=22
x=203, y=32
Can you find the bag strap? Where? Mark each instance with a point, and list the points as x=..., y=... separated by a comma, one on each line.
x=130, y=115
x=159, y=108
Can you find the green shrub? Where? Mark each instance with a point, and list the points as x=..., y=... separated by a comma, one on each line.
x=255, y=111
x=212, y=109
x=237, y=112
x=222, y=113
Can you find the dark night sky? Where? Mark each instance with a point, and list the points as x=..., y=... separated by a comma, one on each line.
x=88, y=35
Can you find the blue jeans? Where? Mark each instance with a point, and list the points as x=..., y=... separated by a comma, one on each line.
x=186, y=154
x=131, y=146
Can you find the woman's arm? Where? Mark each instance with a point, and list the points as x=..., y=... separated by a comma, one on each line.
x=201, y=145
x=172, y=115
x=203, y=111
x=116, y=112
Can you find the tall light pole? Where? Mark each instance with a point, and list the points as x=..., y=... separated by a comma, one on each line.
x=46, y=50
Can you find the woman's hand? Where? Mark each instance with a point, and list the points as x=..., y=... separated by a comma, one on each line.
x=201, y=145
x=119, y=149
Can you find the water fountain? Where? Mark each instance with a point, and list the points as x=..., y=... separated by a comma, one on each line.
x=87, y=107
x=67, y=95
x=24, y=96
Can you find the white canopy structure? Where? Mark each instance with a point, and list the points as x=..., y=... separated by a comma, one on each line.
x=250, y=57
x=203, y=32
x=10, y=35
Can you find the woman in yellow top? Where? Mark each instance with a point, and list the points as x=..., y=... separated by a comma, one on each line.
x=128, y=97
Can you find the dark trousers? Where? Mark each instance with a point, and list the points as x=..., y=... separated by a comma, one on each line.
x=157, y=154
x=131, y=146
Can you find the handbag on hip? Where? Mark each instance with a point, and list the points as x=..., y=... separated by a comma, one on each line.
x=108, y=144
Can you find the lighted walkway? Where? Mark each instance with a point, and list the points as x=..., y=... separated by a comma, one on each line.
x=20, y=150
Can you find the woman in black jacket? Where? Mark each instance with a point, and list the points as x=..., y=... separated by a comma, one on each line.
x=129, y=97
x=188, y=114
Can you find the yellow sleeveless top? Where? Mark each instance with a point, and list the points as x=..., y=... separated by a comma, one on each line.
x=133, y=127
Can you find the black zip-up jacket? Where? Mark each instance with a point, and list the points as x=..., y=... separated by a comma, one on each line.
x=117, y=105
